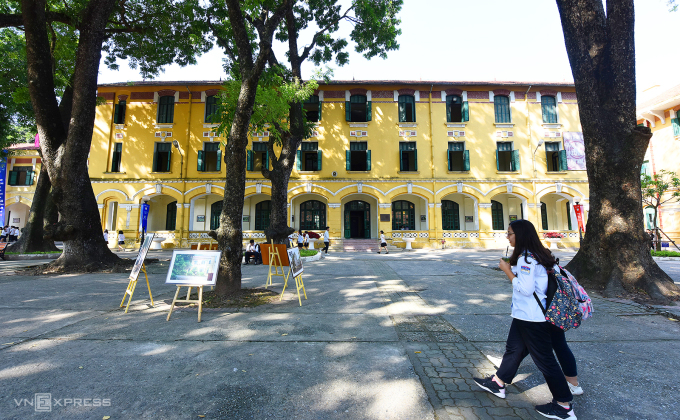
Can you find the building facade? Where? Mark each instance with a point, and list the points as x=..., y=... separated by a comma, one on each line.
x=447, y=164
x=660, y=114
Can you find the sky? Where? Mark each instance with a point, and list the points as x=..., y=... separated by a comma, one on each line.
x=455, y=40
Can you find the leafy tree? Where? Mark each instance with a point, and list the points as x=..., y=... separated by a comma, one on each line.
x=614, y=255
x=130, y=29
x=662, y=187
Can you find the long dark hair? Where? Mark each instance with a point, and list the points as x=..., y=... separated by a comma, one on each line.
x=526, y=239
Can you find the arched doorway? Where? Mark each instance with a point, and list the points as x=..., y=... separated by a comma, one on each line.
x=215, y=212
x=450, y=215
x=497, y=216
x=262, y=212
x=171, y=216
x=403, y=215
x=357, y=219
x=312, y=215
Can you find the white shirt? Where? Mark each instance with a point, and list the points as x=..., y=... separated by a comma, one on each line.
x=251, y=248
x=306, y=238
x=106, y=236
x=531, y=277
x=326, y=237
x=382, y=238
x=121, y=237
x=301, y=238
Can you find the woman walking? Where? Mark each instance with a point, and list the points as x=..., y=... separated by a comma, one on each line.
x=300, y=240
x=383, y=243
x=121, y=240
x=529, y=332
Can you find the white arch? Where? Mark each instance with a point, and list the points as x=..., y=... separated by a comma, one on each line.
x=191, y=208
x=525, y=201
x=476, y=205
x=154, y=187
x=539, y=195
x=114, y=190
x=412, y=186
x=463, y=185
x=513, y=186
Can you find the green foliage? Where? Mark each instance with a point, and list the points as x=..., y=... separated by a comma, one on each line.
x=665, y=254
x=660, y=188
x=308, y=252
x=672, y=5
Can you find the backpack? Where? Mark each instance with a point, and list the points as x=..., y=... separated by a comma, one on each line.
x=579, y=293
x=562, y=309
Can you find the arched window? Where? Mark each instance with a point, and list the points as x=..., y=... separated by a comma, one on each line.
x=544, y=216
x=407, y=108
x=403, y=215
x=171, y=216
x=215, y=212
x=262, y=212
x=450, y=215
x=501, y=105
x=358, y=109
x=312, y=215
x=549, y=109
x=454, y=108
x=166, y=109
x=210, y=107
x=312, y=108
x=497, y=215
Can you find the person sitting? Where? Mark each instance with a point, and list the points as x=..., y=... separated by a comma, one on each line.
x=253, y=251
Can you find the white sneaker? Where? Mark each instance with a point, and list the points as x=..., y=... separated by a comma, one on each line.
x=575, y=390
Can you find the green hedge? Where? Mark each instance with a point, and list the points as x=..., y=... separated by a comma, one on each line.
x=308, y=252
x=665, y=254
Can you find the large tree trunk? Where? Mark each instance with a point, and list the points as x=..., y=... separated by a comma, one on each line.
x=614, y=255
x=31, y=239
x=65, y=152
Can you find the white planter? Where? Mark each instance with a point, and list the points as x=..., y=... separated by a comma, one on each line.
x=553, y=242
x=311, y=243
x=408, y=242
x=156, y=243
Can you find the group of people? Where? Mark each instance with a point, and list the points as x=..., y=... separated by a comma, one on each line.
x=303, y=240
x=10, y=234
x=121, y=239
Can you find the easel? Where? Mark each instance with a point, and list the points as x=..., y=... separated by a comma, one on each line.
x=187, y=300
x=277, y=256
x=298, y=285
x=131, y=290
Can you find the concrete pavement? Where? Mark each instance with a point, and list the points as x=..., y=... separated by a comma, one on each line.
x=381, y=336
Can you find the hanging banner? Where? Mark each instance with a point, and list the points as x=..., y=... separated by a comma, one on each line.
x=578, y=209
x=145, y=215
x=3, y=175
x=576, y=151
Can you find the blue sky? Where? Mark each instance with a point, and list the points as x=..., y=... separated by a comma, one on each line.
x=454, y=40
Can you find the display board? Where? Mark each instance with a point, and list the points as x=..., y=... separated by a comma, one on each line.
x=143, y=250
x=295, y=261
x=194, y=268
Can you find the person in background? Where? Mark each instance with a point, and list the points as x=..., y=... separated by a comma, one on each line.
x=253, y=251
x=121, y=240
x=383, y=243
x=300, y=239
x=17, y=233
x=106, y=236
x=306, y=242
x=4, y=234
x=530, y=333
x=326, y=239
x=12, y=234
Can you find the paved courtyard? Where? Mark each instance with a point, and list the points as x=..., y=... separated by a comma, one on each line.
x=394, y=336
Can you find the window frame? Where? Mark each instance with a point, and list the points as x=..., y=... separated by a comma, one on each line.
x=166, y=110
x=119, y=112
x=263, y=220
x=497, y=219
x=318, y=215
x=156, y=156
x=450, y=216
x=210, y=108
x=410, y=212
x=502, y=109
x=406, y=102
x=309, y=102
x=549, y=114
x=116, y=158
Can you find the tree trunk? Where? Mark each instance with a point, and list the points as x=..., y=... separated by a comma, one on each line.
x=31, y=239
x=278, y=230
x=614, y=255
x=65, y=151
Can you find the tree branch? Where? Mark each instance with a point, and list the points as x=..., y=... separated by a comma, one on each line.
x=15, y=20
x=308, y=49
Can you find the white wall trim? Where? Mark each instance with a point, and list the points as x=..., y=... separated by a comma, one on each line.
x=114, y=190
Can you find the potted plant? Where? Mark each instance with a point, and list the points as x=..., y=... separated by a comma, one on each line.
x=553, y=238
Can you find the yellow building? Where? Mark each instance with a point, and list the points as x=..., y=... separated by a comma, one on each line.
x=429, y=162
x=660, y=114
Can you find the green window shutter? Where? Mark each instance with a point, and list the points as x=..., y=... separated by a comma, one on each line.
x=544, y=216
x=29, y=177
x=401, y=160
x=219, y=160
x=121, y=113
x=167, y=167
x=348, y=160
x=415, y=158
x=568, y=215
x=515, y=160
x=449, y=155
x=298, y=157
x=320, y=108
x=115, y=113
x=498, y=165
x=348, y=111
x=369, y=112
x=676, y=126
x=266, y=159
x=449, y=100
x=347, y=228
x=466, y=160
x=154, y=168
x=368, y=160
x=466, y=111
x=200, y=163
x=319, y=155
x=13, y=177
x=563, y=160
x=249, y=160
x=402, y=111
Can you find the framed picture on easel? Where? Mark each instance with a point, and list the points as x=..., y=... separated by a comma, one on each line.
x=194, y=268
x=295, y=261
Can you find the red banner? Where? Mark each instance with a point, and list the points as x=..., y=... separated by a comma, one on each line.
x=578, y=209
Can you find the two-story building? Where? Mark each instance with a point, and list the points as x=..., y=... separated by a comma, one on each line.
x=450, y=162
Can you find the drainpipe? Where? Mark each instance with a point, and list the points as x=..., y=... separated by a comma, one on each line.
x=434, y=181
x=182, y=172
x=533, y=157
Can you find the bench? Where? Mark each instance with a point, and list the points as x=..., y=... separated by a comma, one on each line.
x=3, y=248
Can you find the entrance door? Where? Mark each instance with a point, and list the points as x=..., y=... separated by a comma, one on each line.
x=357, y=219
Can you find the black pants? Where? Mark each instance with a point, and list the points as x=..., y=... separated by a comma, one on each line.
x=534, y=338
x=325, y=248
x=255, y=255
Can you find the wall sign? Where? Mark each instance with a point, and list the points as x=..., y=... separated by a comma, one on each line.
x=200, y=219
x=576, y=151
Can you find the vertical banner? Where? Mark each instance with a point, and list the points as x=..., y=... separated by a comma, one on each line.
x=145, y=215
x=576, y=151
x=3, y=176
x=578, y=209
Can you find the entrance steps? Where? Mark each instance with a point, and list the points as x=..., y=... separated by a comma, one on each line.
x=359, y=245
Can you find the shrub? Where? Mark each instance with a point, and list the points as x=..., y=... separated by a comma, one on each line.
x=665, y=254
x=313, y=235
x=308, y=252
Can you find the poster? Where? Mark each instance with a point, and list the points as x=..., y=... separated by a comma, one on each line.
x=143, y=249
x=578, y=209
x=576, y=151
x=194, y=268
x=145, y=215
x=295, y=261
